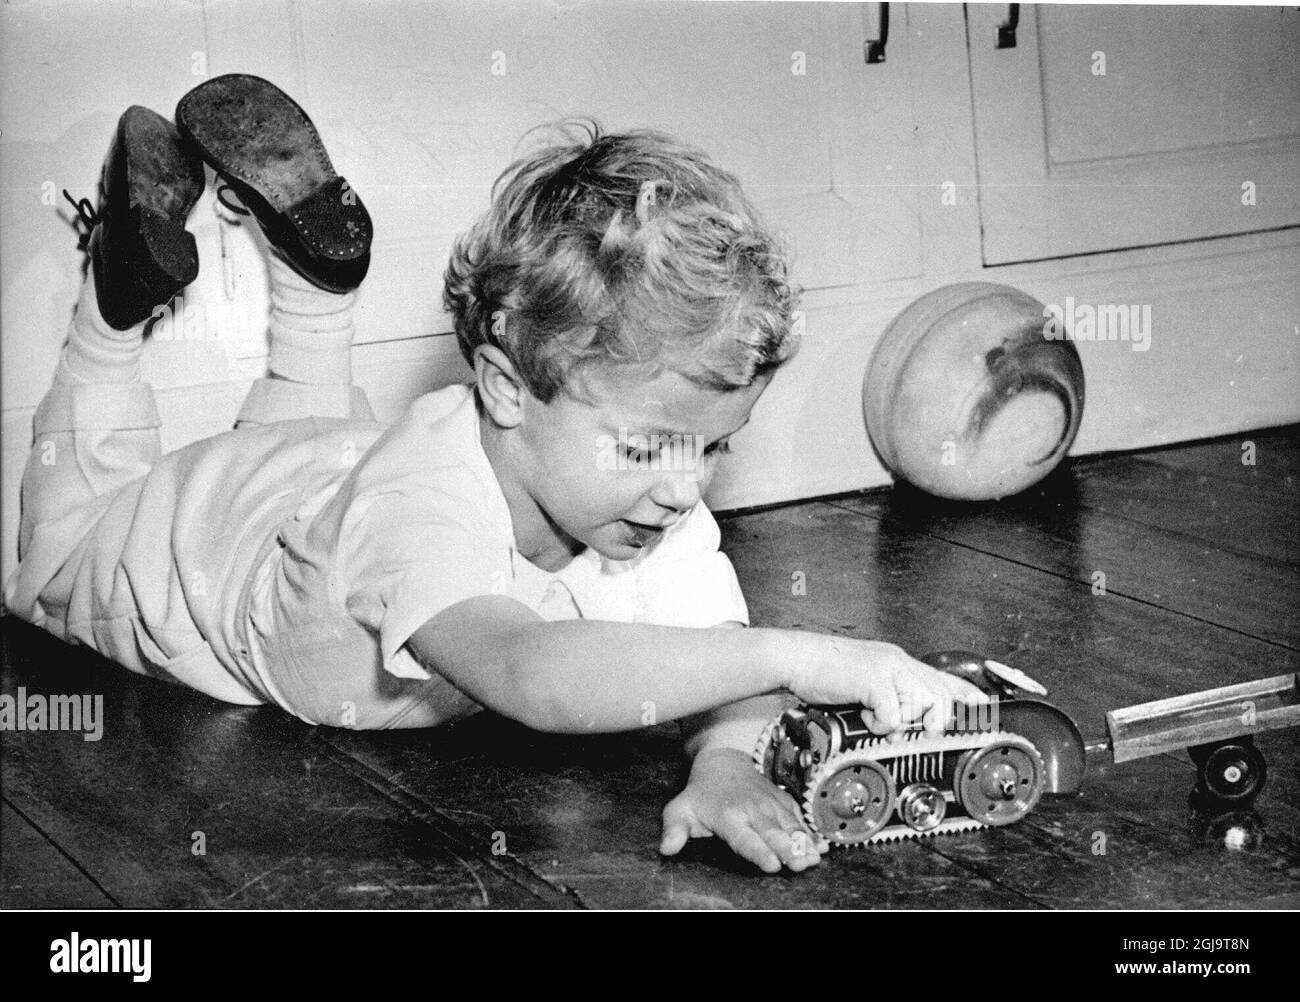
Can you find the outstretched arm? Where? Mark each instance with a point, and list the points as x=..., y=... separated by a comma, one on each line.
x=588, y=675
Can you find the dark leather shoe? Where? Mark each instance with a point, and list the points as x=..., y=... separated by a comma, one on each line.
x=140, y=251
x=265, y=148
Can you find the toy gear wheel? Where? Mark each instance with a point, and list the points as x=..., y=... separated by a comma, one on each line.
x=763, y=748
x=850, y=798
x=1001, y=782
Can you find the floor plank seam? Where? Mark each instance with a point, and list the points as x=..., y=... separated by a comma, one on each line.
x=206, y=881
x=450, y=831
x=61, y=851
x=935, y=845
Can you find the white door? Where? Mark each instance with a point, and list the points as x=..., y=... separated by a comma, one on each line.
x=1113, y=127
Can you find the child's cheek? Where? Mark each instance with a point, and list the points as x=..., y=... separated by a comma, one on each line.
x=625, y=491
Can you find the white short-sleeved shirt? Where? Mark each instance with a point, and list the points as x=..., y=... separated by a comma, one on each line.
x=418, y=524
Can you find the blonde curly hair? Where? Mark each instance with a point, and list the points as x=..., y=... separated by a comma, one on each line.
x=632, y=248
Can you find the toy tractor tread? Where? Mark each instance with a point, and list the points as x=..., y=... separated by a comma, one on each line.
x=859, y=789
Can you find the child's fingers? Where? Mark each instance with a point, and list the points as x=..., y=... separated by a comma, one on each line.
x=784, y=831
x=674, y=839
x=882, y=701
x=962, y=691
x=791, y=823
x=788, y=805
x=796, y=850
x=937, y=717
x=916, y=698
x=793, y=833
x=680, y=825
x=750, y=845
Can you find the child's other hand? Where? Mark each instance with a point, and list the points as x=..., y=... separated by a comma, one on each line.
x=727, y=797
x=885, y=679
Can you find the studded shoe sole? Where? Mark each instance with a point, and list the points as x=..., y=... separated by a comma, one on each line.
x=263, y=145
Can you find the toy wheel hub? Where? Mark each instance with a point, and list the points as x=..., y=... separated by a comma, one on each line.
x=851, y=800
x=999, y=781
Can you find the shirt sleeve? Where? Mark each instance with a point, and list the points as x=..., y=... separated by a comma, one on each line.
x=406, y=555
x=687, y=581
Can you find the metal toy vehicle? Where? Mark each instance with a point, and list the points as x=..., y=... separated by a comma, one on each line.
x=993, y=765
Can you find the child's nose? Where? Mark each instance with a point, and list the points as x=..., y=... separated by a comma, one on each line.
x=679, y=489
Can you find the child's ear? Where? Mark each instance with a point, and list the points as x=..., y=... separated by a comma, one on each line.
x=499, y=385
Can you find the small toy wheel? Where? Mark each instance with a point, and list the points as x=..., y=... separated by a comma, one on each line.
x=1232, y=772
x=922, y=807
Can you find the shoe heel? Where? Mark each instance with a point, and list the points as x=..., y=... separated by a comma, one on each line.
x=153, y=259
x=325, y=238
x=333, y=231
x=169, y=247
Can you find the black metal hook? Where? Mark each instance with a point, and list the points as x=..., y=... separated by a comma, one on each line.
x=1007, y=32
x=874, y=49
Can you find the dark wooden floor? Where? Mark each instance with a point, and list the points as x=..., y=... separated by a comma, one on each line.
x=1201, y=558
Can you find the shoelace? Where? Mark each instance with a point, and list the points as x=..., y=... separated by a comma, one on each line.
x=221, y=197
x=85, y=214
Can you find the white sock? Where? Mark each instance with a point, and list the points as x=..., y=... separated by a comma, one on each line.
x=95, y=352
x=311, y=330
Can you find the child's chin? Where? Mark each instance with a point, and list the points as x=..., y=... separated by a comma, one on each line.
x=618, y=551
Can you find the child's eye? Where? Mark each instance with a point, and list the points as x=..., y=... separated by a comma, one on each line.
x=721, y=448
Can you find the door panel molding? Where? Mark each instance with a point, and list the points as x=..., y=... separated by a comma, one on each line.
x=1038, y=205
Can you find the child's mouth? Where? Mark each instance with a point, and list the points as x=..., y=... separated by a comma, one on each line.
x=639, y=535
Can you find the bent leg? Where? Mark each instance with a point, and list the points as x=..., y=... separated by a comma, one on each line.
x=94, y=432
x=97, y=427
x=310, y=363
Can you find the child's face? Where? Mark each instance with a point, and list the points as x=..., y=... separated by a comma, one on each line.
x=614, y=471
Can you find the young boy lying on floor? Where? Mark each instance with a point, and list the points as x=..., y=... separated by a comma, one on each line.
x=533, y=543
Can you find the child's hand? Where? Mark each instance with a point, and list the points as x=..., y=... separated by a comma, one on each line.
x=895, y=687
x=727, y=797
